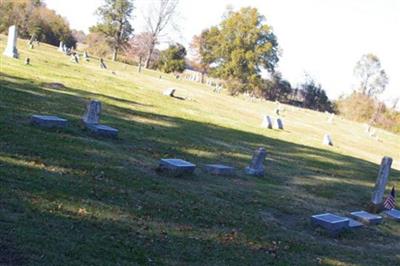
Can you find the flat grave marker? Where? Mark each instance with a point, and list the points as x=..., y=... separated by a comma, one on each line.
x=219, y=169
x=366, y=217
x=176, y=167
x=393, y=214
x=48, y=121
x=334, y=224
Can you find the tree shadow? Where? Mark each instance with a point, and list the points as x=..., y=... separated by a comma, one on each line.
x=41, y=169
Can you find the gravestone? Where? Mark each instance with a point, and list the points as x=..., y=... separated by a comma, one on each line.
x=256, y=167
x=334, y=224
x=219, y=169
x=366, y=217
x=92, y=114
x=61, y=47
x=169, y=92
x=48, y=121
x=11, y=49
x=176, y=167
x=278, y=124
x=85, y=56
x=102, y=130
x=27, y=61
x=65, y=49
x=277, y=111
x=327, y=140
x=267, y=122
x=380, y=185
x=393, y=214
x=74, y=58
x=102, y=64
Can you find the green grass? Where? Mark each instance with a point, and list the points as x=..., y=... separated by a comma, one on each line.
x=68, y=198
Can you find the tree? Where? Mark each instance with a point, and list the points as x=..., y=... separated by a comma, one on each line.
x=115, y=25
x=277, y=88
x=138, y=46
x=172, y=59
x=159, y=16
x=314, y=96
x=197, y=47
x=372, y=77
x=239, y=47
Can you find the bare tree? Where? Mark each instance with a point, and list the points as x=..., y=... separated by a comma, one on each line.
x=138, y=47
x=160, y=14
x=372, y=77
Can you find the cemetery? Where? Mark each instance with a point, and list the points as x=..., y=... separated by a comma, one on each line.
x=165, y=182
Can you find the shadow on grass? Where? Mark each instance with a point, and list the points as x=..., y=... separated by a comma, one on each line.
x=49, y=179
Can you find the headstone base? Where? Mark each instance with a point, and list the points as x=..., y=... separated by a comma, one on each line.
x=219, y=169
x=176, y=167
x=102, y=130
x=48, y=121
x=254, y=172
x=366, y=217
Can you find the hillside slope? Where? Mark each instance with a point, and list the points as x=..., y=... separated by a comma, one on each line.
x=68, y=198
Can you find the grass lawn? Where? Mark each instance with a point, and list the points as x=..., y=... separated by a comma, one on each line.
x=69, y=198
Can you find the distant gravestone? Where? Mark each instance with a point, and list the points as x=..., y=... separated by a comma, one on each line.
x=256, y=167
x=176, y=167
x=267, y=122
x=27, y=61
x=65, y=49
x=75, y=58
x=85, y=56
x=327, y=140
x=48, y=121
x=92, y=114
x=169, y=92
x=61, y=47
x=219, y=169
x=278, y=124
x=11, y=49
x=102, y=64
x=277, y=111
x=380, y=185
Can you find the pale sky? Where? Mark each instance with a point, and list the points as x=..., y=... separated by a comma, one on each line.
x=323, y=38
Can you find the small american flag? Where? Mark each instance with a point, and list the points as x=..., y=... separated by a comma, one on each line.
x=390, y=201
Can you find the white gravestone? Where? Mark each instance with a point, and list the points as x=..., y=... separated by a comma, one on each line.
x=11, y=49
x=381, y=181
x=327, y=140
x=61, y=47
x=278, y=124
x=267, y=122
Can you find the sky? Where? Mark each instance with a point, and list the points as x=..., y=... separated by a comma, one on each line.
x=322, y=38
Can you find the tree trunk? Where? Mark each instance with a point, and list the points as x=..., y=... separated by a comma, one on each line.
x=114, y=55
x=151, y=49
x=140, y=65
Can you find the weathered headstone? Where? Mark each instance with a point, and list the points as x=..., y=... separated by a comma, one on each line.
x=169, y=92
x=48, y=121
x=176, y=167
x=219, y=169
x=366, y=217
x=327, y=140
x=267, y=122
x=27, y=61
x=11, y=49
x=85, y=56
x=278, y=124
x=380, y=185
x=92, y=114
x=277, y=111
x=256, y=166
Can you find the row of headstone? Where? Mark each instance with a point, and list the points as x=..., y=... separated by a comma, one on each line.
x=269, y=123
x=179, y=167
x=91, y=120
x=335, y=224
